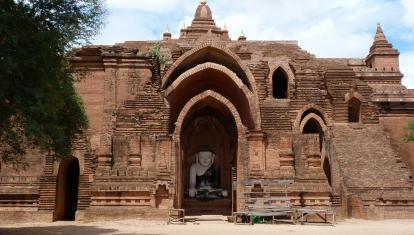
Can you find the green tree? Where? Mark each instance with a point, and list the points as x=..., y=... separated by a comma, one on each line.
x=39, y=106
x=155, y=53
x=410, y=132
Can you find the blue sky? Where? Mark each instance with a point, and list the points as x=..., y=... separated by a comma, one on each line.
x=326, y=28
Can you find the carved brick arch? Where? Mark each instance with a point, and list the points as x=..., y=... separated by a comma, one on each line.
x=354, y=94
x=198, y=55
x=220, y=79
x=286, y=67
x=219, y=99
x=310, y=109
x=317, y=118
x=212, y=66
x=313, y=123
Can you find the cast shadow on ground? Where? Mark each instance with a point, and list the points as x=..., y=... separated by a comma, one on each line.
x=63, y=230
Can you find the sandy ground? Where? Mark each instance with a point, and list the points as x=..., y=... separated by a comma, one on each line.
x=129, y=227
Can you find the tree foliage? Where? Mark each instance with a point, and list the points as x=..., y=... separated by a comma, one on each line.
x=410, y=132
x=155, y=53
x=39, y=106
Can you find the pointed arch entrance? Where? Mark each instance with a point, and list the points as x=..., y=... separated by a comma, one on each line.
x=313, y=123
x=208, y=123
x=67, y=187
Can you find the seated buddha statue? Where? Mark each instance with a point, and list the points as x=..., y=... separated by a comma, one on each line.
x=205, y=177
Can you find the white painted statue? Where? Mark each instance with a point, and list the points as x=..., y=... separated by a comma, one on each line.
x=205, y=177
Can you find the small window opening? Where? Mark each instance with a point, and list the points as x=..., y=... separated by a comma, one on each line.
x=354, y=110
x=280, y=84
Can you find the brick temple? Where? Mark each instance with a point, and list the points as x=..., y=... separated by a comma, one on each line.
x=264, y=109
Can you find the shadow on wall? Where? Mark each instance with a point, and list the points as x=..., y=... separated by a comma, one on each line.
x=62, y=230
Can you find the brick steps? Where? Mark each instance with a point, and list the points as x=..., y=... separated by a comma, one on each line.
x=260, y=72
x=374, y=164
x=47, y=192
x=335, y=200
x=146, y=113
x=147, y=101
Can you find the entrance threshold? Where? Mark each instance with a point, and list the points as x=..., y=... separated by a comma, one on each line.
x=206, y=219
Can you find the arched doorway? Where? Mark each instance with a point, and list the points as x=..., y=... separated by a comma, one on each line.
x=208, y=127
x=67, y=186
x=313, y=123
x=312, y=126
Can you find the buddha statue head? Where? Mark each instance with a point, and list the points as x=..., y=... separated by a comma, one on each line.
x=205, y=158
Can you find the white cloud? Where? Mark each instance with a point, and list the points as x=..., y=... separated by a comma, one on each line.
x=327, y=40
x=407, y=67
x=409, y=12
x=155, y=6
x=326, y=28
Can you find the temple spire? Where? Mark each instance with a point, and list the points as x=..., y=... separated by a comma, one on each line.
x=203, y=24
x=242, y=37
x=382, y=55
x=379, y=35
x=167, y=34
x=381, y=44
x=203, y=12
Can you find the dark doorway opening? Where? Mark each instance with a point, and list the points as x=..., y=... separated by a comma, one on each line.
x=354, y=110
x=67, y=186
x=280, y=84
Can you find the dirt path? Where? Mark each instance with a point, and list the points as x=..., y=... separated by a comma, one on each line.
x=129, y=227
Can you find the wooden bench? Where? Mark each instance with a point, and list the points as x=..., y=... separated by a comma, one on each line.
x=321, y=213
x=265, y=198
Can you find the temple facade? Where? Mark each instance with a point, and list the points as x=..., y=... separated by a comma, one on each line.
x=180, y=127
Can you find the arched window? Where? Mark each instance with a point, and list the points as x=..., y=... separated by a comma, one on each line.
x=354, y=110
x=280, y=84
